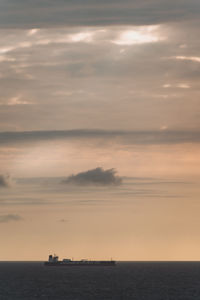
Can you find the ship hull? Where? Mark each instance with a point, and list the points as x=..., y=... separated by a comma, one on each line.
x=81, y=264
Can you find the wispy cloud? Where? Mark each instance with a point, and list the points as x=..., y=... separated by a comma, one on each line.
x=15, y=101
x=190, y=58
x=10, y=218
x=179, y=85
x=123, y=136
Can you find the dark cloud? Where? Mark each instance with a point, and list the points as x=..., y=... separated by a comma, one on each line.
x=9, y=218
x=4, y=181
x=21, y=13
x=120, y=136
x=96, y=176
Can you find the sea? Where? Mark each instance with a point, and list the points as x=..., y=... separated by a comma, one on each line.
x=127, y=280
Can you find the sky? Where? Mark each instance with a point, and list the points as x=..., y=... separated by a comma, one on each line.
x=100, y=129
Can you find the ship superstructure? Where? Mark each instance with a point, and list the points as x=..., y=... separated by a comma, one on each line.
x=54, y=261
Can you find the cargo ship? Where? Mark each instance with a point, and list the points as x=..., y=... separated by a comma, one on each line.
x=67, y=262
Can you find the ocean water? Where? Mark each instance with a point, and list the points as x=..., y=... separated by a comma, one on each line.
x=128, y=280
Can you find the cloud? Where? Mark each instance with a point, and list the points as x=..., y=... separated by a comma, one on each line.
x=63, y=220
x=141, y=35
x=116, y=81
x=120, y=136
x=190, y=58
x=10, y=218
x=179, y=85
x=4, y=181
x=37, y=14
x=15, y=101
x=96, y=176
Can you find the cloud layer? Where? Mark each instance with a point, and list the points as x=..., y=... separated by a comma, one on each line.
x=126, y=77
x=120, y=136
x=96, y=176
x=37, y=13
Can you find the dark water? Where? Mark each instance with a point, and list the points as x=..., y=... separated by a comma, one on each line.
x=130, y=280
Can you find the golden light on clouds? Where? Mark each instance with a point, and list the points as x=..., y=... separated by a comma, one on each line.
x=141, y=35
x=192, y=58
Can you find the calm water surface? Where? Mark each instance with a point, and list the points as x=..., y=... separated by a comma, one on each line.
x=128, y=280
